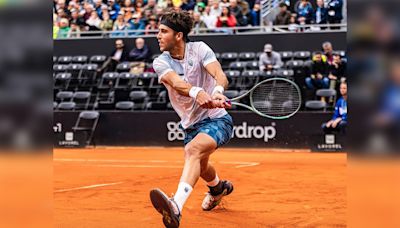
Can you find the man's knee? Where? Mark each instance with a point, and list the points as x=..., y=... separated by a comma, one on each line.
x=192, y=151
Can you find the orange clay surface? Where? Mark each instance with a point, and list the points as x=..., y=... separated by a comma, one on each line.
x=109, y=187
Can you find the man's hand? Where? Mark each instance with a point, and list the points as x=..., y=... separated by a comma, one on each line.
x=319, y=76
x=329, y=123
x=220, y=101
x=332, y=77
x=204, y=100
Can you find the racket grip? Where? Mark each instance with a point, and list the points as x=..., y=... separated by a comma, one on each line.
x=228, y=102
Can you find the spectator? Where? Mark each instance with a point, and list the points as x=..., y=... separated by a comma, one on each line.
x=236, y=10
x=198, y=24
x=76, y=19
x=283, y=17
x=226, y=19
x=94, y=22
x=270, y=60
x=245, y=7
x=321, y=13
x=118, y=55
x=137, y=25
x=293, y=26
x=120, y=25
x=151, y=26
x=138, y=5
x=319, y=71
x=88, y=11
x=106, y=24
x=335, y=15
x=209, y=19
x=304, y=12
x=138, y=56
x=113, y=9
x=98, y=6
x=188, y=5
x=328, y=51
x=255, y=15
x=56, y=28
x=128, y=10
x=339, y=119
x=151, y=5
x=63, y=28
x=75, y=31
x=224, y=3
x=215, y=8
x=199, y=7
x=337, y=71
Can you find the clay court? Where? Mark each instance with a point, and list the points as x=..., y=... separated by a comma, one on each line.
x=109, y=187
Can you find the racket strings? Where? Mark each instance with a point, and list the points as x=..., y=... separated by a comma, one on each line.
x=277, y=98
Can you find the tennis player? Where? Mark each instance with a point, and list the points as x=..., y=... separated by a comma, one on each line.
x=195, y=83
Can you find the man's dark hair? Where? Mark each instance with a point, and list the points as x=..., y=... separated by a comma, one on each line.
x=178, y=21
x=282, y=4
x=336, y=54
x=318, y=53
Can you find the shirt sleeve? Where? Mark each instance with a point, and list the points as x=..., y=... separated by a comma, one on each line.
x=161, y=67
x=206, y=54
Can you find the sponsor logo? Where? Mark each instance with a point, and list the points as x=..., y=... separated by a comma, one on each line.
x=330, y=143
x=57, y=128
x=243, y=131
x=68, y=140
x=174, y=132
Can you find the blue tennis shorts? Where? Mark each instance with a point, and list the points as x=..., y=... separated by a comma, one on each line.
x=220, y=129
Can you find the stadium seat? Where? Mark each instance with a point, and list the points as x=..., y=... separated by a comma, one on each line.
x=82, y=99
x=124, y=67
x=66, y=105
x=156, y=106
x=75, y=70
x=140, y=98
x=247, y=56
x=98, y=59
x=294, y=64
x=108, y=80
x=64, y=59
x=240, y=66
x=62, y=80
x=87, y=123
x=55, y=59
x=302, y=55
x=88, y=72
x=285, y=73
x=231, y=93
x=286, y=55
x=124, y=105
x=252, y=65
x=82, y=59
x=233, y=77
x=249, y=78
x=217, y=55
x=315, y=105
x=57, y=68
x=228, y=57
x=64, y=96
x=329, y=95
x=125, y=80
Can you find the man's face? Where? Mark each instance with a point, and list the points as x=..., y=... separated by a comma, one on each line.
x=233, y=3
x=119, y=44
x=328, y=48
x=166, y=38
x=283, y=9
x=343, y=89
x=337, y=59
x=320, y=3
x=318, y=58
x=139, y=43
x=151, y=3
x=74, y=15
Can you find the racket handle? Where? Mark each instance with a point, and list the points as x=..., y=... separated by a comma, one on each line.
x=228, y=102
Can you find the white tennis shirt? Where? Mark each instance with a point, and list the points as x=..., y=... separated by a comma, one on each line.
x=192, y=70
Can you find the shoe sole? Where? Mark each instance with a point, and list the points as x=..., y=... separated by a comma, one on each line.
x=224, y=193
x=161, y=203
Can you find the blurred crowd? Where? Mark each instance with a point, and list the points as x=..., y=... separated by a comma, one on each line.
x=304, y=12
x=138, y=17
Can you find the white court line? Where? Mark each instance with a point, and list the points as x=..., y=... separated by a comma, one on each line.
x=142, y=166
x=239, y=164
x=86, y=187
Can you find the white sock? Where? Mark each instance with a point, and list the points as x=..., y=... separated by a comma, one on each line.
x=182, y=194
x=214, y=182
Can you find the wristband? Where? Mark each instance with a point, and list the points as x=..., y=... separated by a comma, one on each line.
x=194, y=91
x=218, y=89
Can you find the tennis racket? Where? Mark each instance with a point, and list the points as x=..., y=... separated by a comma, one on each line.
x=275, y=98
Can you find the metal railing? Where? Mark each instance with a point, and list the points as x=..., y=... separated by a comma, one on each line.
x=308, y=28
